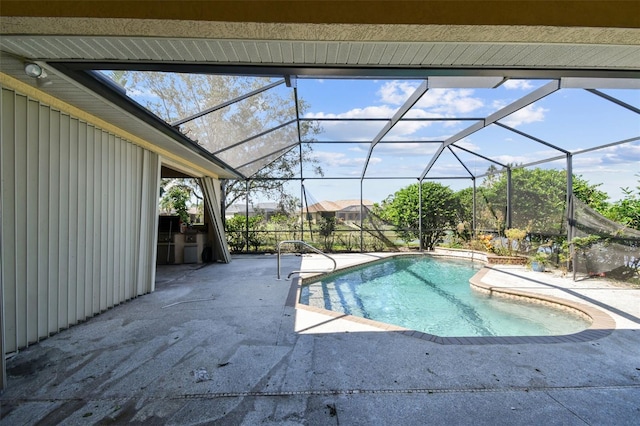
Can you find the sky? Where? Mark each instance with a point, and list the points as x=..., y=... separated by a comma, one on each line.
x=572, y=119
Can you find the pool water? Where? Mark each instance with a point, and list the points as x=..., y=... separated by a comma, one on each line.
x=434, y=296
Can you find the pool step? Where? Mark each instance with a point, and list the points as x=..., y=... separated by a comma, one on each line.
x=341, y=298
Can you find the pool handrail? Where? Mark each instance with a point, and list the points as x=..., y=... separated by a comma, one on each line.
x=335, y=265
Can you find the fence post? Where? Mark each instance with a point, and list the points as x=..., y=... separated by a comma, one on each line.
x=246, y=210
x=361, y=220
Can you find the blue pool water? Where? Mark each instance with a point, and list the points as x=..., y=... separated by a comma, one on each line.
x=434, y=296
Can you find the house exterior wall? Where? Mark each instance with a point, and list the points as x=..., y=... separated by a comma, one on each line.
x=78, y=219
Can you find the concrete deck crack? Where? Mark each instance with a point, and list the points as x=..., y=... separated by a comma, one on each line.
x=328, y=392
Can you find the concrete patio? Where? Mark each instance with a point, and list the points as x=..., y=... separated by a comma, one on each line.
x=219, y=344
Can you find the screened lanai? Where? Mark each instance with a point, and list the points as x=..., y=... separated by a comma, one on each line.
x=448, y=127
x=361, y=135
x=361, y=102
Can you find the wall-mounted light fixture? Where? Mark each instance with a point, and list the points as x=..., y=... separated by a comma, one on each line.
x=34, y=70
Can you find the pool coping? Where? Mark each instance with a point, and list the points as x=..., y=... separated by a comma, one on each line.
x=602, y=324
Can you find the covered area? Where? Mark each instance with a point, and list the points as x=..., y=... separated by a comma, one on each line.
x=425, y=92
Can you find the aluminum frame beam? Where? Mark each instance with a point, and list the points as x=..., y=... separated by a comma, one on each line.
x=532, y=97
x=409, y=103
x=283, y=150
x=227, y=103
x=478, y=155
x=318, y=71
x=533, y=138
x=460, y=161
x=614, y=100
x=249, y=139
x=585, y=79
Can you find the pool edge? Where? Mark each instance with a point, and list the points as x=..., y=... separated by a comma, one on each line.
x=602, y=324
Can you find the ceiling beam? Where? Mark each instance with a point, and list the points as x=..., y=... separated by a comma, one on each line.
x=351, y=72
x=227, y=103
x=532, y=97
x=409, y=103
x=614, y=100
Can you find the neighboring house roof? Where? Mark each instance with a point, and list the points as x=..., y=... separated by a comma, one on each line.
x=337, y=206
x=241, y=208
x=323, y=206
x=349, y=204
x=238, y=208
x=268, y=207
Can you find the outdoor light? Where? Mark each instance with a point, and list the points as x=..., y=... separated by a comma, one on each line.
x=34, y=70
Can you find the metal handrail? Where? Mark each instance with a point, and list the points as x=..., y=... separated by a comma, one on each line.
x=335, y=265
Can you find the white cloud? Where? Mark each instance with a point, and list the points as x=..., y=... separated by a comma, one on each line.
x=362, y=147
x=511, y=159
x=450, y=101
x=526, y=115
x=626, y=153
x=614, y=158
x=614, y=168
x=498, y=104
x=339, y=159
x=404, y=130
x=517, y=85
x=353, y=130
x=467, y=144
x=406, y=149
x=436, y=102
x=382, y=111
x=396, y=92
x=449, y=167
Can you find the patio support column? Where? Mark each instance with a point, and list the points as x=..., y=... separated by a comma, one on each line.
x=301, y=209
x=509, y=193
x=301, y=181
x=361, y=219
x=420, y=214
x=246, y=210
x=473, y=210
x=570, y=215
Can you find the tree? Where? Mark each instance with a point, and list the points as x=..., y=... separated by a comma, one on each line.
x=175, y=199
x=177, y=195
x=465, y=205
x=590, y=194
x=627, y=210
x=440, y=208
x=538, y=199
x=174, y=96
x=237, y=235
x=327, y=226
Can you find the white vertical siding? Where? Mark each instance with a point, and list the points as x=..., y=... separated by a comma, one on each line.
x=78, y=219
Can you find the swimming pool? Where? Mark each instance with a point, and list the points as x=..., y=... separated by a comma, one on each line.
x=433, y=295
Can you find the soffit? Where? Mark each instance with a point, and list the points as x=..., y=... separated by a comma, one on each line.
x=324, y=53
